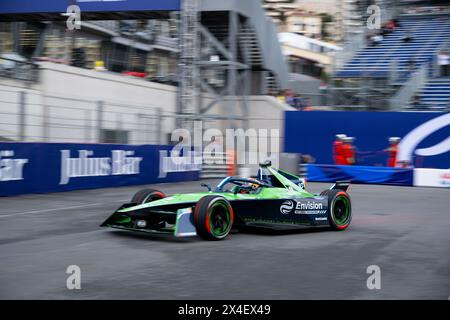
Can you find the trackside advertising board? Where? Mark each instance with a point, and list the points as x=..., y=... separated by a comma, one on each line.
x=42, y=168
x=60, y=6
x=432, y=178
x=425, y=136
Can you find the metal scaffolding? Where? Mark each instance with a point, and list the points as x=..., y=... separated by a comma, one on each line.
x=202, y=54
x=189, y=52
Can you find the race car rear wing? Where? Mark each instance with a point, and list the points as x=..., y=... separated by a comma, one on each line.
x=341, y=185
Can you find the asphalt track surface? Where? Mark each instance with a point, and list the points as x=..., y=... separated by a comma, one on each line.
x=405, y=231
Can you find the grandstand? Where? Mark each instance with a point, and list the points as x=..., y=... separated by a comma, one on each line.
x=435, y=95
x=402, y=67
x=428, y=36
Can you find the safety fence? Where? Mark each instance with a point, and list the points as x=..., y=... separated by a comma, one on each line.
x=35, y=117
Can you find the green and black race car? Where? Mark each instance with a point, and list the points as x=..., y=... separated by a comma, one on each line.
x=272, y=198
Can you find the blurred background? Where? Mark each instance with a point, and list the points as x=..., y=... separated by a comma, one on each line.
x=352, y=90
x=132, y=77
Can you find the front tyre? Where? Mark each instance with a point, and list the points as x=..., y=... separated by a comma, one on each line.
x=339, y=209
x=213, y=217
x=146, y=196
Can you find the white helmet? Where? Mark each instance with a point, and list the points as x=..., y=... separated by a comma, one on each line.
x=394, y=139
x=349, y=139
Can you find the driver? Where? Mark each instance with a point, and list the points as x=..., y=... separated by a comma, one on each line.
x=248, y=188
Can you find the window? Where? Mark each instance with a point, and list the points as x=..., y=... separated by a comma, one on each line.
x=114, y=136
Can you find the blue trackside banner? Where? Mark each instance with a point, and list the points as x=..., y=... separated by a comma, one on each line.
x=42, y=168
x=60, y=6
x=361, y=174
x=425, y=136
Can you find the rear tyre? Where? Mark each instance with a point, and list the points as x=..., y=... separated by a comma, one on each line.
x=339, y=209
x=147, y=195
x=213, y=218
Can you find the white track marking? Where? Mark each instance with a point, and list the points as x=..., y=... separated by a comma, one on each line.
x=58, y=209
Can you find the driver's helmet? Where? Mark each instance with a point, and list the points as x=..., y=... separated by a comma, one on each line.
x=248, y=188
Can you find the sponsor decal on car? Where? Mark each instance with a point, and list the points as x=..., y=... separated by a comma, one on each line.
x=287, y=207
x=303, y=207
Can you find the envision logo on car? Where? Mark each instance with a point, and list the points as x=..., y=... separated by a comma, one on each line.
x=303, y=207
x=287, y=207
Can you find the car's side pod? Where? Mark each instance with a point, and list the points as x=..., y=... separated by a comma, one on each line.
x=341, y=185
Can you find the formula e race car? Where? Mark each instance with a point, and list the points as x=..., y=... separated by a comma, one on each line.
x=272, y=198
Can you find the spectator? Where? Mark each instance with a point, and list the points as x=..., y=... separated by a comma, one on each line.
x=348, y=151
x=385, y=31
x=299, y=103
x=416, y=102
x=377, y=39
x=296, y=101
x=396, y=23
x=388, y=28
x=411, y=65
x=369, y=40
x=393, y=150
x=407, y=37
x=391, y=25
x=281, y=97
x=290, y=98
x=337, y=149
x=444, y=62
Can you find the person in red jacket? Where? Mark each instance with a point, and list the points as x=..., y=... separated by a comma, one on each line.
x=348, y=151
x=392, y=151
x=337, y=149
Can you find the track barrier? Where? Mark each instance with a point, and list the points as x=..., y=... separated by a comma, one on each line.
x=361, y=174
x=53, y=167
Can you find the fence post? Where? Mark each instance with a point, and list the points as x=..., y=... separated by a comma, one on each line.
x=100, y=107
x=88, y=126
x=158, y=125
x=45, y=119
x=22, y=124
x=119, y=136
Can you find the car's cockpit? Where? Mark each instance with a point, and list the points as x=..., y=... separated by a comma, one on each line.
x=241, y=186
x=266, y=177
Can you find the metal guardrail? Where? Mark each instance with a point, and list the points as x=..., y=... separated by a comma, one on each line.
x=34, y=117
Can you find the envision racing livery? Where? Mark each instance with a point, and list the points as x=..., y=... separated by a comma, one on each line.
x=273, y=198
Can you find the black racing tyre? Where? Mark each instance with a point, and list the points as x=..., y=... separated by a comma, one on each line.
x=213, y=218
x=147, y=195
x=339, y=209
